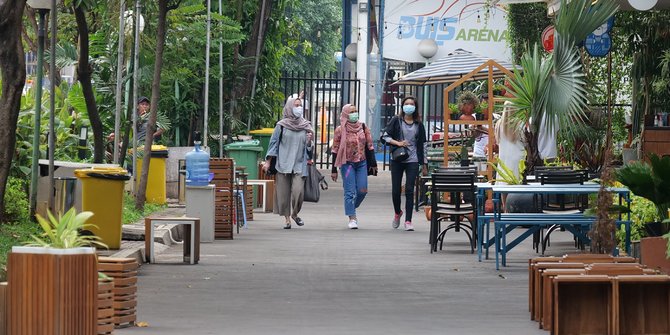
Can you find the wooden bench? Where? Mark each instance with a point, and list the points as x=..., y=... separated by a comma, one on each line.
x=191, y=237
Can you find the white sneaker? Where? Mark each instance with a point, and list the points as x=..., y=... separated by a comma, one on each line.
x=408, y=226
x=396, y=220
x=353, y=224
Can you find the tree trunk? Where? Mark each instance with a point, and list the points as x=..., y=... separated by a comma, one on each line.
x=13, y=75
x=84, y=75
x=243, y=88
x=532, y=152
x=141, y=192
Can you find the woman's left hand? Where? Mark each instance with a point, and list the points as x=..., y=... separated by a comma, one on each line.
x=424, y=170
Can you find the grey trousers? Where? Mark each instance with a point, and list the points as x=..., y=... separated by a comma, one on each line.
x=289, y=192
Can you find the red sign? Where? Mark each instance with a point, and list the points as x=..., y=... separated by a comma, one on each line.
x=548, y=38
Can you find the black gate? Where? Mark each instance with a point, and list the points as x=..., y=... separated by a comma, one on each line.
x=326, y=93
x=324, y=96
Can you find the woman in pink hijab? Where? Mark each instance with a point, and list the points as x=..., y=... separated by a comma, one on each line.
x=350, y=142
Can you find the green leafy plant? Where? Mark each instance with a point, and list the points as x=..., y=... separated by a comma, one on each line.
x=64, y=231
x=466, y=98
x=505, y=174
x=16, y=201
x=650, y=181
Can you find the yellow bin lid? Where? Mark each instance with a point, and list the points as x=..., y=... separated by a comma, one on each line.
x=103, y=172
x=264, y=131
x=158, y=147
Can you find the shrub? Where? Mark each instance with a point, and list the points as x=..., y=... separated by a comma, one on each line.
x=17, y=207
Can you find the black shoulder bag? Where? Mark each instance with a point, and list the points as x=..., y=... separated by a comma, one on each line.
x=400, y=154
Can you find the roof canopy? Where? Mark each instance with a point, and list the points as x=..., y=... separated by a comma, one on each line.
x=452, y=67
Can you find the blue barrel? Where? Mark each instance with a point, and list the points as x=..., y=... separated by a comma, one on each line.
x=197, y=166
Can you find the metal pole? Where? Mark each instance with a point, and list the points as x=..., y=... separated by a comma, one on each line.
x=206, y=113
x=136, y=79
x=119, y=82
x=220, y=90
x=38, y=111
x=258, y=49
x=52, y=103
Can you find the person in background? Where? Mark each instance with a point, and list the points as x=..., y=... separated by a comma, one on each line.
x=291, y=143
x=142, y=122
x=406, y=130
x=351, y=140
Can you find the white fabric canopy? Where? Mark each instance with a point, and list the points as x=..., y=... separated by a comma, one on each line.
x=452, y=67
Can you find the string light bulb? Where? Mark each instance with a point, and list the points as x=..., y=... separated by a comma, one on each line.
x=444, y=24
x=432, y=26
x=386, y=25
x=399, y=32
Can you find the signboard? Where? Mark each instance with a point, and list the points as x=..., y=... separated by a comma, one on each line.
x=599, y=42
x=453, y=24
x=548, y=39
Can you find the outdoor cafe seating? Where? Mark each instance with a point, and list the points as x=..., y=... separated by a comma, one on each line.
x=453, y=198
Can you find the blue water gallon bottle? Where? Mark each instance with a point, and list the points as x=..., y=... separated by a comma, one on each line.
x=197, y=165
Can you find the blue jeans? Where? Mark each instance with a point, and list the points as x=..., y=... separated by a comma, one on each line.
x=355, y=180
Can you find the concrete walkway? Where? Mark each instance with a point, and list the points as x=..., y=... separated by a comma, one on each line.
x=326, y=279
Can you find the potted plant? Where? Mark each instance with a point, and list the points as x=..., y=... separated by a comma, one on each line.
x=516, y=202
x=652, y=182
x=454, y=111
x=55, y=277
x=467, y=104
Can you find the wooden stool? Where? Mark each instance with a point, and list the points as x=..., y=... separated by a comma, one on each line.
x=191, y=237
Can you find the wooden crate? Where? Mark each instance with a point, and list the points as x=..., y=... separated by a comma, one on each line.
x=224, y=178
x=124, y=298
x=105, y=308
x=249, y=202
x=223, y=214
x=643, y=304
x=583, y=305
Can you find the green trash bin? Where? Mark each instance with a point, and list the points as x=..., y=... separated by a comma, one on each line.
x=247, y=154
x=263, y=135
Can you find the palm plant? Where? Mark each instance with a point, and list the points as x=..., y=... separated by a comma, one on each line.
x=553, y=87
x=551, y=91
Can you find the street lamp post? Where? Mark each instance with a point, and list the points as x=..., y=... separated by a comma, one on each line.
x=427, y=49
x=42, y=7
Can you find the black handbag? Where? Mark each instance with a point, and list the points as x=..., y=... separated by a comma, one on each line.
x=400, y=154
x=370, y=158
x=314, y=183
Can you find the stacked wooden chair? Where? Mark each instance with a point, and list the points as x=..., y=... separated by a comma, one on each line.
x=224, y=209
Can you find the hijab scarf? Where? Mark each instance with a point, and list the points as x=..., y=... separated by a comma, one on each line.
x=292, y=122
x=346, y=128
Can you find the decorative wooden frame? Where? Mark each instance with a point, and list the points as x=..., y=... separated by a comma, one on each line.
x=490, y=64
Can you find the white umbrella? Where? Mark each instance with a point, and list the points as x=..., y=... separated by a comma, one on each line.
x=452, y=67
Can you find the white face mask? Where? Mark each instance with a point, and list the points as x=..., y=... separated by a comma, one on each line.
x=297, y=112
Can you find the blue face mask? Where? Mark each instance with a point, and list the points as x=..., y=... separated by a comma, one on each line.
x=408, y=109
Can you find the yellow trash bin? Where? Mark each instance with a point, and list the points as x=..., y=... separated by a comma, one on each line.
x=102, y=194
x=156, y=185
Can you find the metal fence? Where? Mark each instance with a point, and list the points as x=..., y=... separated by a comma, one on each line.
x=326, y=93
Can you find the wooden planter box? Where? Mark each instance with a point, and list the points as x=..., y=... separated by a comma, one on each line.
x=58, y=286
x=652, y=250
x=3, y=308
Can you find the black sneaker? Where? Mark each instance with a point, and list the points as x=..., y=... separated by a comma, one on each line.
x=299, y=221
x=287, y=226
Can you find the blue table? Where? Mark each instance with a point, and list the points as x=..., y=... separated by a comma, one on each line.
x=505, y=223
